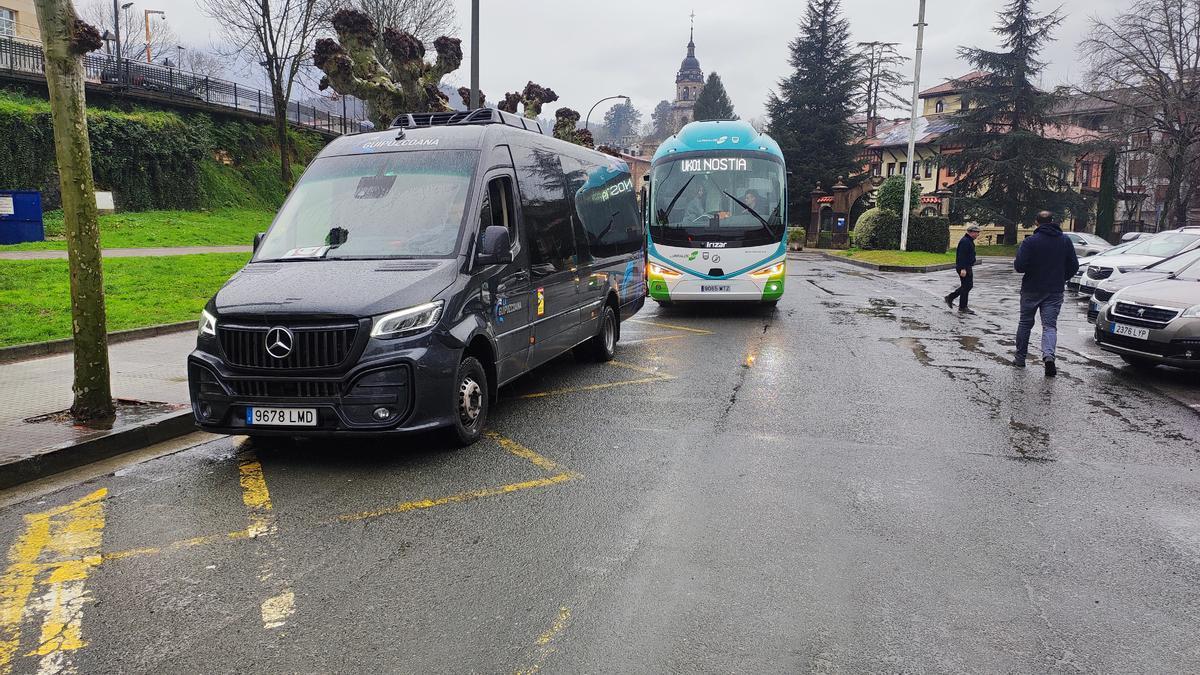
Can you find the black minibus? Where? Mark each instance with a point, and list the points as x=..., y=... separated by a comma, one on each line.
x=412, y=272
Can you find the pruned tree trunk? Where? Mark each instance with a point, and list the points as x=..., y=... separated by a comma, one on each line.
x=65, y=39
x=281, y=136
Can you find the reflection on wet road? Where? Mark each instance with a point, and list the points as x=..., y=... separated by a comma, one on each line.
x=856, y=481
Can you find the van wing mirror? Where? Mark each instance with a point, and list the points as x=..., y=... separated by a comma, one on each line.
x=258, y=237
x=496, y=248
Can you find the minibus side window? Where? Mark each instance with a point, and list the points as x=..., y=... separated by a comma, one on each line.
x=545, y=210
x=500, y=198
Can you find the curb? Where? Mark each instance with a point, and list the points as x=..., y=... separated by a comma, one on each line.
x=889, y=268
x=71, y=455
x=37, y=349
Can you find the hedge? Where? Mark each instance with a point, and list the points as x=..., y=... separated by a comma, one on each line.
x=879, y=229
x=151, y=159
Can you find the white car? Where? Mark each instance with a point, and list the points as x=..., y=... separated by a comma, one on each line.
x=1087, y=244
x=1143, y=252
x=1075, y=281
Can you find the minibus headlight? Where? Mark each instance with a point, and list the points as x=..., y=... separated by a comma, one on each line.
x=407, y=321
x=663, y=271
x=770, y=270
x=1192, y=312
x=208, y=323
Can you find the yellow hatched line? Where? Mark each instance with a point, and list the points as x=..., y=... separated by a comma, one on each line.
x=544, y=646
x=594, y=387
x=698, y=331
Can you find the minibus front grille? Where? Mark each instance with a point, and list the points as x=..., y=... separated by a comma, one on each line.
x=311, y=346
x=284, y=388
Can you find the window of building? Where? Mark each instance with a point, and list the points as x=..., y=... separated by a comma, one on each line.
x=1140, y=141
x=685, y=94
x=929, y=168
x=8, y=22
x=1086, y=178
x=939, y=107
x=891, y=169
x=876, y=169
x=903, y=168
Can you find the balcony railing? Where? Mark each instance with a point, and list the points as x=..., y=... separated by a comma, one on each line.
x=20, y=56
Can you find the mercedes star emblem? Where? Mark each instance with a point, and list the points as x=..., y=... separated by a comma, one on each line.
x=279, y=342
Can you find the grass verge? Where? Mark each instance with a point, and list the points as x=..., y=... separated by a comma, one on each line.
x=35, y=302
x=148, y=229
x=921, y=258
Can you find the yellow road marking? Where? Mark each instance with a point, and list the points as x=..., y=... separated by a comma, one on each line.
x=544, y=646
x=177, y=545
x=640, y=369
x=593, y=387
x=699, y=331
x=420, y=504
x=523, y=452
x=280, y=605
x=54, y=554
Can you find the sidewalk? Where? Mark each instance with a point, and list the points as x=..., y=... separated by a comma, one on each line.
x=126, y=252
x=150, y=369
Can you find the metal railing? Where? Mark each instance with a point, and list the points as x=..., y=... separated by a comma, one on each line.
x=20, y=56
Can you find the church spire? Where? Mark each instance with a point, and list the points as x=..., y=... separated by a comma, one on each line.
x=692, y=36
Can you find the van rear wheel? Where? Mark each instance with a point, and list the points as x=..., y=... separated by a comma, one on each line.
x=603, y=345
x=470, y=403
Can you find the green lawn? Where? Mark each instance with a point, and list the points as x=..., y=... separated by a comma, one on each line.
x=147, y=229
x=921, y=258
x=35, y=303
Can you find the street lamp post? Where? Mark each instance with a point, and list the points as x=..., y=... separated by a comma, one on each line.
x=474, y=54
x=912, y=130
x=587, y=119
x=117, y=32
x=148, y=13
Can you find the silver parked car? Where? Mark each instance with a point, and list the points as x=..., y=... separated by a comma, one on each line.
x=1155, y=323
x=1087, y=244
x=1108, y=287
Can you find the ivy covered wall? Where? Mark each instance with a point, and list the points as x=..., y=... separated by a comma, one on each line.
x=152, y=159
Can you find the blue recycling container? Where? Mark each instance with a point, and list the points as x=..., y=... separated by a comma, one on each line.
x=21, y=216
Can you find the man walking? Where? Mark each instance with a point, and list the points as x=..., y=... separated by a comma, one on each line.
x=1047, y=259
x=964, y=261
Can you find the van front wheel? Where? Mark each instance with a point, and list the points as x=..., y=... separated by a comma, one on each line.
x=470, y=403
x=603, y=345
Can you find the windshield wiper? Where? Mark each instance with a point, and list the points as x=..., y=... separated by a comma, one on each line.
x=663, y=215
x=752, y=212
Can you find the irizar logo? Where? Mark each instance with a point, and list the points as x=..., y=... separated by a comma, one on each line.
x=716, y=244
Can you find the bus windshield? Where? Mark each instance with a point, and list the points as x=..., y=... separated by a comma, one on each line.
x=387, y=205
x=737, y=200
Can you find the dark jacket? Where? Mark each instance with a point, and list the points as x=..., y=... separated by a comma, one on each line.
x=964, y=259
x=1047, y=259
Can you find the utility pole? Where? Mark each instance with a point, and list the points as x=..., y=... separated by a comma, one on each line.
x=912, y=130
x=474, y=54
x=117, y=36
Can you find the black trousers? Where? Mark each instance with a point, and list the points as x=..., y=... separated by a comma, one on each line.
x=965, y=284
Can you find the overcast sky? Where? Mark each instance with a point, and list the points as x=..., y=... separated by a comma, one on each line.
x=634, y=47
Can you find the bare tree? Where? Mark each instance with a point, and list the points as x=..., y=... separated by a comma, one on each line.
x=279, y=34
x=163, y=38
x=883, y=81
x=65, y=40
x=1145, y=63
x=203, y=63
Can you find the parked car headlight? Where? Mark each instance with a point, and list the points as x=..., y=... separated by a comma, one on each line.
x=208, y=323
x=1193, y=311
x=407, y=321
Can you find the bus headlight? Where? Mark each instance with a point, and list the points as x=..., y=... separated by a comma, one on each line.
x=407, y=321
x=770, y=270
x=663, y=271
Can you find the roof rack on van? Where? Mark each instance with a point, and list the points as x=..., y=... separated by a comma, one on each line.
x=468, y=117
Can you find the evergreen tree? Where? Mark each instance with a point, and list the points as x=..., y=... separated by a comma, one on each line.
x=1106, y=200
x=1009, y=169
x=713, y=102
x=664, y=125
x=810, y=114
x=882, y=82
x=621, y=121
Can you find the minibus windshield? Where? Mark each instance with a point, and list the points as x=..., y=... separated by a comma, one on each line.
x=730, y=198
x=386, y=205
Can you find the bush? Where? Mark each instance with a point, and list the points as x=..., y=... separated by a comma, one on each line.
x=151, y=159
x=877, y=229
x=890, y=195
x=928, y=233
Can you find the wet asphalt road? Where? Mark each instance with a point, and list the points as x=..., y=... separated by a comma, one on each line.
x=854, y=482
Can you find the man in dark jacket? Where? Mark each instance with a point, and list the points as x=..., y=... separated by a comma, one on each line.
x=1047, y=259
x=964, y=261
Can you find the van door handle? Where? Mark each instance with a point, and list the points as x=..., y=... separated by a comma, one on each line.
x=519, y=276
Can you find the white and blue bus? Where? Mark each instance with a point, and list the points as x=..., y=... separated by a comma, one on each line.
x=716, y=216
